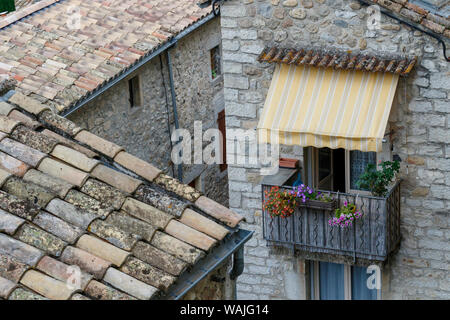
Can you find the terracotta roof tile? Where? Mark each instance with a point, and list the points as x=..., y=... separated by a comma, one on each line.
x=146, y=213
x=46, y=286
x=132, y=225
x=31, y=105
x=34, y=139
x=11, y=268
x=12, y=165
x=148, y=274
x=23, y=294
x=102, y=249
x=79, y=297
x=433, y=21
x=6, y=287
x=20, y=151
x=104, y=193
x=189, y=235
x=88, y=204
x=109, y=217
x=116, y=179
x=86, y=261
x=177, y=248
x=19, y=250
x=69, y=213
x=333, y=58
x=63, y=171
x=218, y=211
x=40, y=239
x=4, y=175
x=113, y=234
x=22, y=118
x=63, y=272
x=9, y=223
x=69, y=143
x=58, y=227
x=136, y=165
x=129, y=284
x=57, y=186
x=18, y=207
x=99, y=144
x=100, y=291
x=7, y=125
x=5, y=108
x=161, y=200
x=159, y=258
x=74, y=158
x=28, y=191
x=177, y=187
x=203, y=224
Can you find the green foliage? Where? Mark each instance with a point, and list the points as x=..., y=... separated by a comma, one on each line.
x=377, y=181
x=7, y=6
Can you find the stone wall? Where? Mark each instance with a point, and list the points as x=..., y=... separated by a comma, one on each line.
x=145, y=131
x=216, y=286
x=420, y=116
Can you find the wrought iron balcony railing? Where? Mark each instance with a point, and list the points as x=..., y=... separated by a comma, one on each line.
x=371, y=239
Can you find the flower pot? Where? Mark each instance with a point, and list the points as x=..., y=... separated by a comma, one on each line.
x=321, y=205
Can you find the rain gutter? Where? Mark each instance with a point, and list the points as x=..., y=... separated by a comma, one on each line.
x=233, y=244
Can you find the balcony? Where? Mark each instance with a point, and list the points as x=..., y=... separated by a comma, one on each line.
x=372, y=239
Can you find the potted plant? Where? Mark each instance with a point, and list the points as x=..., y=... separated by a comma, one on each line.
x=280, y=203
x=310, y=198
x=345, y=215
x=378, y=181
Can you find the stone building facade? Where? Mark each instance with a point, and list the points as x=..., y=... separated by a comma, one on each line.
x=420, y=114
x=146, y=129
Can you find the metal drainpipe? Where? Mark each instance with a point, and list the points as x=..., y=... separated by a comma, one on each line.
x=238, y=267
x=174, y=106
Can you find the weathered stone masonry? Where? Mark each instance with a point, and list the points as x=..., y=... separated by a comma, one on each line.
x=144, y=131
x=420, y=115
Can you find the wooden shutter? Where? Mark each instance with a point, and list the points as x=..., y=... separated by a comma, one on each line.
x=222, y=129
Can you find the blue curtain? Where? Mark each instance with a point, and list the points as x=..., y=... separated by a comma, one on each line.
x=331, y=277
x=359, y=285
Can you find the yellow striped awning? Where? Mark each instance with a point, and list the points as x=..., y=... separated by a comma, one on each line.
x=324, y=107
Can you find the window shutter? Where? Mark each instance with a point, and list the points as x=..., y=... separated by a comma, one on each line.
x=222, y=129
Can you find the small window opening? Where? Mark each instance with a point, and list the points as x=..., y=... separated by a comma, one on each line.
x=134, y=86
x=215, y=62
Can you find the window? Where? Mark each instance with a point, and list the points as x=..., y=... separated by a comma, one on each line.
x=135, y=94
x=216, y=69
x=222, y=128
x=358, y=164
x=332, y=281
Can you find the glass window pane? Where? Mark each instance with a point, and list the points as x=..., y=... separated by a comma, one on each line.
x=360, y=291
x=331, y=277
x=358, y=164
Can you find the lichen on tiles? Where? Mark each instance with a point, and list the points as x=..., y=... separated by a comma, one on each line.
x=21, y=208
x=87, y=203
x=177, y=187
x=41, y=239
x=34, y=139
x=160, y=200
x=113, y=234
x=103, y=192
